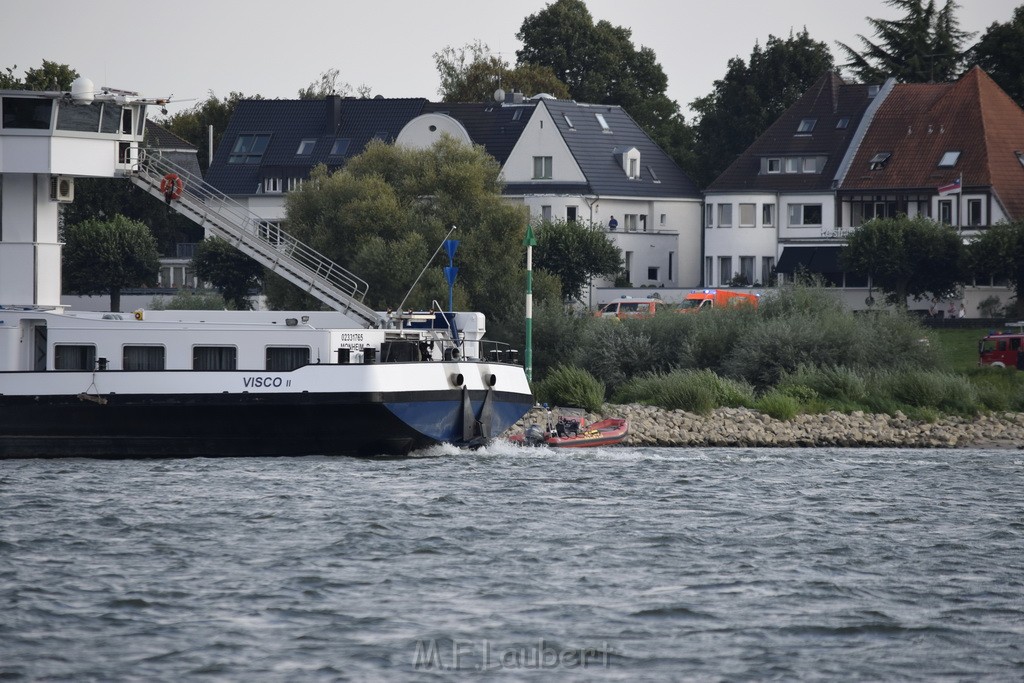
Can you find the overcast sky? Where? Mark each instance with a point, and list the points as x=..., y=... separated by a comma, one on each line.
x=189, y=48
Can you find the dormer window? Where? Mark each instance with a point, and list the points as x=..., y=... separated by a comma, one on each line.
x=949, y=159
x=629, y=159
x=604, y=124
x=879, y=161
x=806, y=125
x=774, y=165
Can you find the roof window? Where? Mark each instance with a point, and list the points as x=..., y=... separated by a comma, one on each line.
x=340, y=147
x=843, y=122
x=604, y=124
x=879, y=161
x=568, y=121
x=1020, y=156
x=949, y=159
x=248, y=149
x=305, y=147
x=806, y=125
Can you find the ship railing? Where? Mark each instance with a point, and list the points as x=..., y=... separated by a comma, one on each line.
x=262, y=240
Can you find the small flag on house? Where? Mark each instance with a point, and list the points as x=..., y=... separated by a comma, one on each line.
x=951, y=188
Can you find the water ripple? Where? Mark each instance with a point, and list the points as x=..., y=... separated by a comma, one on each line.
x=622, y=564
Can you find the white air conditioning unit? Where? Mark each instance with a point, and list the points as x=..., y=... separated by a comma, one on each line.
x=62, y=188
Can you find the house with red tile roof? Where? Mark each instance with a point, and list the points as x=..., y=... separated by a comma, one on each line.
x=846, y=153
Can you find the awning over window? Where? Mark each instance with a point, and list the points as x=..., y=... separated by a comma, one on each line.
x=810, y=259
x=794, y=259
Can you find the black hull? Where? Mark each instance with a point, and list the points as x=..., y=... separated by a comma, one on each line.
x=232, y=425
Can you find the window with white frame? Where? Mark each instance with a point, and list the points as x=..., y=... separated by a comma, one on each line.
x=725, y=215
x=792, y=164
x=747, y=269
x=630, y=220
x=975, y=216
x=709, y=215
x=946, y=211
x=545, y=212
x=295, y=184
x=747, y=212
x=709, y=267
x=272, y=185
x=805, y=215
x=768, y=215
x=652, y=273
x=570, y=214
x=634, y=168
x=542, y=168
x=603, y=123
x=774, y=165
x=724, y=270
x=661, y=222
x=810, y=165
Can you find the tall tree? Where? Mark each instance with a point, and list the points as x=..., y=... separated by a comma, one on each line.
x=193, y=124
x=925, y=45
x=575, y=253
x=472, y=74
x=1000, y=52
x=229, y=270
x=999, y=251
x=383, y=215
x=600, y=65
x=907, y=257
x=104, y=257
x=49, y=76
x=330, y=83
x=751, y=96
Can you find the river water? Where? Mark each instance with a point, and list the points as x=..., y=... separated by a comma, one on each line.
x=610, y=564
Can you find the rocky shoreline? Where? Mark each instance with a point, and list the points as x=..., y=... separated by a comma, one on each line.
x=744, y=427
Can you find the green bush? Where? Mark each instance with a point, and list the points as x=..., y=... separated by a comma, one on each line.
x=696, y=391
x=778, y=405
x=570, y=386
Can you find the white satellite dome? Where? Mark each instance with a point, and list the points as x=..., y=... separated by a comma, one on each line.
x=82, y=90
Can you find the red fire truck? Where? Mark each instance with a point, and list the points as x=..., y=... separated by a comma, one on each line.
x=1002, y=350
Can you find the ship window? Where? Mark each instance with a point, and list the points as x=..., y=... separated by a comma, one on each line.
x=74, y=357
x=143, y=358
x=285, y=358
x=249, y=149
x=27, y=112
x=214, y=358
x=82, y=118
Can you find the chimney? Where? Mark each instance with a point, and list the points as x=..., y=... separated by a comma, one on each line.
x=333, y=114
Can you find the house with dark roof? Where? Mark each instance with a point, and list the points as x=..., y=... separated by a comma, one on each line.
x=571, y=161
x=846, y=153
x=560, y=159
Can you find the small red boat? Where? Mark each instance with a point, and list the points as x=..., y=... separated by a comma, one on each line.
x=573, y=432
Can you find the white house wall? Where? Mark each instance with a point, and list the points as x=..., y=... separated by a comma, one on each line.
x=540, y=138
x=734, y=241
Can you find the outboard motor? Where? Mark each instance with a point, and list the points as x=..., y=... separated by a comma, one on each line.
x=534, y=435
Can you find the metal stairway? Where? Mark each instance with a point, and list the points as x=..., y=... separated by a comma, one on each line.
x=270, y=246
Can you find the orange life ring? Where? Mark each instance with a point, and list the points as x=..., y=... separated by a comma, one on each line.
x=172, y=186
